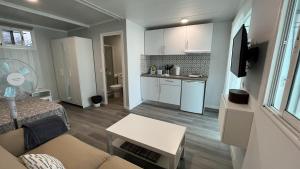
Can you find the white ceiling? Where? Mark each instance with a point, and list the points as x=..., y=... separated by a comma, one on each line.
x=58, y=14
x=149, y=13
x=72, y=14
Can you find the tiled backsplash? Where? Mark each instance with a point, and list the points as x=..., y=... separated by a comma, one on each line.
x=196, y=64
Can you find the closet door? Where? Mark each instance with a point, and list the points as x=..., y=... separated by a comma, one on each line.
x=73, y=85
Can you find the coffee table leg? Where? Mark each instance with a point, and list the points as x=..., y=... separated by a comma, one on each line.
x=109, y=144
x=172, y=162
x=182, y=144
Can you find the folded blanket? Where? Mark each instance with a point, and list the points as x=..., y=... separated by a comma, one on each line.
x=43, y=130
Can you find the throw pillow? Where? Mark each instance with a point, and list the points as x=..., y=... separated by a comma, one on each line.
x=41, y=161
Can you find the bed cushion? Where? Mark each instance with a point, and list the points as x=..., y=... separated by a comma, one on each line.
x=8, y=161
x=115, y=162
x=73, y=153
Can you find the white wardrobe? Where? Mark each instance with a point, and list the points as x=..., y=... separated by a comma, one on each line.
x=74, y=68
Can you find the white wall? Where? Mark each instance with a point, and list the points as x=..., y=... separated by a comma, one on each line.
x=135, y=48
x=217, y=66
x=269, y=147
x=47, y=73
x=94, y=34
x=232, y=82
x=40, y=59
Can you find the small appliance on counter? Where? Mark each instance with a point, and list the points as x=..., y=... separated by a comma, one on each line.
x=177, y=70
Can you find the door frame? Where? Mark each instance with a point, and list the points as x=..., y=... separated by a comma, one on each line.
x=102, y=35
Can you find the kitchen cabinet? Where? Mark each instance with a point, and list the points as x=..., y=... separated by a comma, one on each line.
x=170, y=91
x=154, y=42
x=150, y=88
x=175, y=40
x=199, y=38
x=74, y=69
x=179, y=40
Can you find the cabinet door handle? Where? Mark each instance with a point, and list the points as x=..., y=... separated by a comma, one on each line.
x=169, y=81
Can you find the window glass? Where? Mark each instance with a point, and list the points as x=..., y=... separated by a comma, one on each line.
x=294, y=100
x=7, y=38
x=286, y=59
x=17, y=38
x=27, y=38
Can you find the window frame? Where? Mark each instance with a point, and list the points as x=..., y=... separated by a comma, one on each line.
x=287, y=14
x=16, y=46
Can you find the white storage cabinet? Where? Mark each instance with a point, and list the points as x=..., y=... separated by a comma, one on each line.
x=74, y=68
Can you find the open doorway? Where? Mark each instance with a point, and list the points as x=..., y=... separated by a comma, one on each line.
x=113, y=68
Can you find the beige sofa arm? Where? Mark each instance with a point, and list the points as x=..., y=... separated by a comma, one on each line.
x=13, y=142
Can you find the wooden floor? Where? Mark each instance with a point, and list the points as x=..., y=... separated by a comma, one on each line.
x=203, y=149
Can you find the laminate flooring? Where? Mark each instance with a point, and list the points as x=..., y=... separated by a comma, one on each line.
x=203, y=149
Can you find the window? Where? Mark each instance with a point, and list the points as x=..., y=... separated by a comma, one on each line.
x=284, y=94
x=16, y=38
x=27, y=38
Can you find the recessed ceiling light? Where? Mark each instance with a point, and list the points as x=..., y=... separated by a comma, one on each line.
x=184, y=21
x=33, y=1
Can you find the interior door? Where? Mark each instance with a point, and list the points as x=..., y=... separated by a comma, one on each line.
x=109, y=65
x=175, y=40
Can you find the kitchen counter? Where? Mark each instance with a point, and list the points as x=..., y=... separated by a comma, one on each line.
x=182, y=77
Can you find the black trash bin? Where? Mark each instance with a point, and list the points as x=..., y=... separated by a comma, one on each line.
x=96, y=100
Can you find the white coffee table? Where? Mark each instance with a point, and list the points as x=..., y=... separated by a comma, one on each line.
x=161, y=137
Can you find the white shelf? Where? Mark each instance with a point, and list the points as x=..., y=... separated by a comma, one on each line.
x=163, y=161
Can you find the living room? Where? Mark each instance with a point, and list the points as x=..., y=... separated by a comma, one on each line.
x=147, y=84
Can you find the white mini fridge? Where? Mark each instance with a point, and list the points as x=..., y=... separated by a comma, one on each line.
x=192, y=96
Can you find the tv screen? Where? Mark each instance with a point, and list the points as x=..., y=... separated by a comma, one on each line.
x=239, y=53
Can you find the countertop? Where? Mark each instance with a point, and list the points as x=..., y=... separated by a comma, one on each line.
x=182, y=77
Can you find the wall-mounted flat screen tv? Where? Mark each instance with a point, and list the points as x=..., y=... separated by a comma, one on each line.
x=239, y=53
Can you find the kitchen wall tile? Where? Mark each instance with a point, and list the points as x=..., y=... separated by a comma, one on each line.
x=195, y=63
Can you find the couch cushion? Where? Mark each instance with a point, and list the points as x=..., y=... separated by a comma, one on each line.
x=7, y=160
x=115, y=162
x=13, y=142
x=73, y=153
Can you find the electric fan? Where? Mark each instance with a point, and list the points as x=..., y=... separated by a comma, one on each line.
x=17, y=81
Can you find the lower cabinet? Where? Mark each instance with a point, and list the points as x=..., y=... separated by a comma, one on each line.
x=169, y=91
x=150, y=88
x=161, y=90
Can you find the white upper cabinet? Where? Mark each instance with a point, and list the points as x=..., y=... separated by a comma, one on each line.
x=175, y=40
x=154, y=42
x=199, y=38
x=179, y=40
